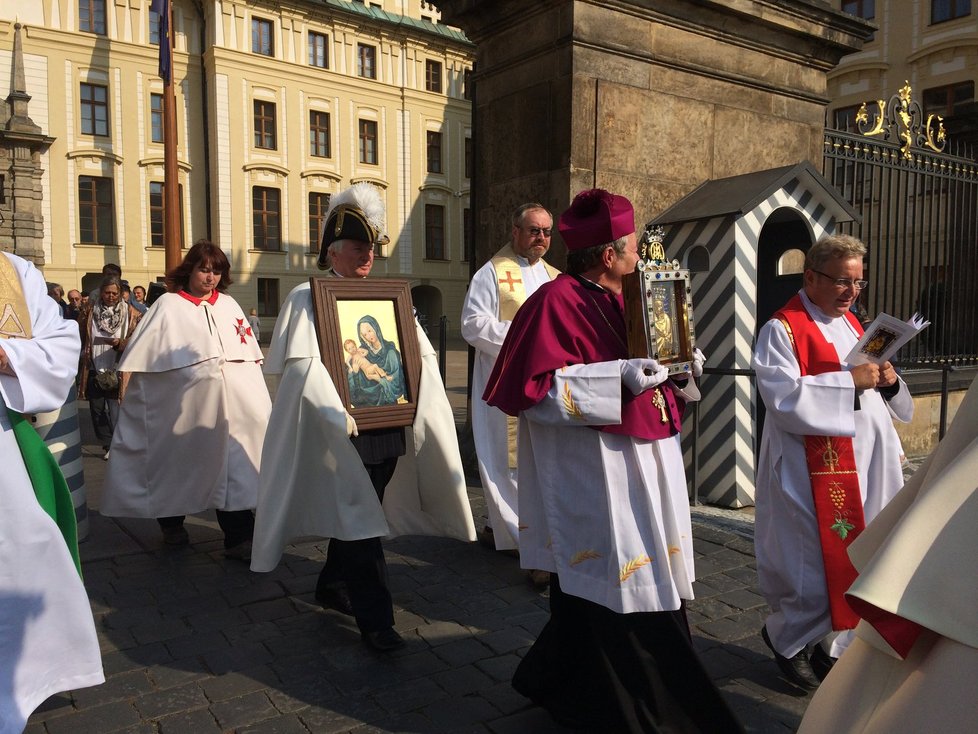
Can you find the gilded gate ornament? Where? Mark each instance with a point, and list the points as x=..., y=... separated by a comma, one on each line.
x=901, y=120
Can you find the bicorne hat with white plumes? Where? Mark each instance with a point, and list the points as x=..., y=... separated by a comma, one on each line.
x=356, y=213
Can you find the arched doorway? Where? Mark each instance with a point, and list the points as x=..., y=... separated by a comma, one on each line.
x=784, y=240
x=428, y=308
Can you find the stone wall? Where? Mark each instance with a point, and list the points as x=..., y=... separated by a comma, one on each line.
x=647, y=98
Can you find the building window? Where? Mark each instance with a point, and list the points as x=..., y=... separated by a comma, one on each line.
x=466, y=234
x=157, y=212
x=96, y=213
x=432, y=76
x=941, y=10
x=434, y=152
x=268, y=296
x=860, y=8
x=366, y=61
x=261, y=37
x=266, y=211
x=318, y=206
x=950, y=100
x=156, y=117
x=264, y=124
x=318, y=50
x=468, y=158
x=467, y=84
x=154, y=27
x=844, y=118
x=94, y=109
x=368, y=141
x=319, y=134
x=91, y=16
x=434, y=232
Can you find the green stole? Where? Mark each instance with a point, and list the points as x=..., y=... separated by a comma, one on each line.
x=49, y=484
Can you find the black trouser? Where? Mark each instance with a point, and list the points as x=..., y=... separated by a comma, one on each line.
x=238, y=525
x=104, y=407
x=360, y=566
x=635, y=673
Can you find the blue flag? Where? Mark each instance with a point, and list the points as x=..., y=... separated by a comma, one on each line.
x=162, y=8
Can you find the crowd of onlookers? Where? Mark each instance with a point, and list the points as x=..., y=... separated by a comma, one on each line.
x=106, y=318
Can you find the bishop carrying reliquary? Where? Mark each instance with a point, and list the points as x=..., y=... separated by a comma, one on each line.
x=659, y=307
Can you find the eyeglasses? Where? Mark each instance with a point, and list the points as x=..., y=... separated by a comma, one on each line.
x=844, y=282
x=537, y=231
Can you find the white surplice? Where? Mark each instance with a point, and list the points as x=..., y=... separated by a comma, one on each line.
x=193, y=418
x=312, y=480
x=47, y=634
x=789, y=555
x=482, y=328
x=613, y=523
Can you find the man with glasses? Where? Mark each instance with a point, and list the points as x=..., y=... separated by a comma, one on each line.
x=830, y=459
x=497, y=291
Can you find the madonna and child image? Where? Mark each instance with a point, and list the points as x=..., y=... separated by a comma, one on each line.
x=372, y=358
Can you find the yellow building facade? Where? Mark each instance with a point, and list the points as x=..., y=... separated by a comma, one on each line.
x=279, y=105
x=932, y=44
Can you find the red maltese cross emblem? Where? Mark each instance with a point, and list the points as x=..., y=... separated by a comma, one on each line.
x=241, y=330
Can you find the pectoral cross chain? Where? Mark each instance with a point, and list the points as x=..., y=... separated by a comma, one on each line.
x=659, y=401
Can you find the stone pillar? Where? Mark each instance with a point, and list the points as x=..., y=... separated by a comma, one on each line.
x=646, y=98
x=21, y=144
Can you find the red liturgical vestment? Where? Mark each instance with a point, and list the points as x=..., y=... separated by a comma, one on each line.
x=831, y=467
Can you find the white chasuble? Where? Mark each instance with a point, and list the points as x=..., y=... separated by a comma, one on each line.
x=47, y=635
x=484, y=329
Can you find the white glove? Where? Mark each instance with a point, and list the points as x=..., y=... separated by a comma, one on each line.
x=698, y=359
x=639, y=374
x=351, y=425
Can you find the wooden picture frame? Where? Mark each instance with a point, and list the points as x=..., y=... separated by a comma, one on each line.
x=377, y=375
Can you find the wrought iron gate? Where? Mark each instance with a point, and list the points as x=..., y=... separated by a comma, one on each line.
x=919, y=208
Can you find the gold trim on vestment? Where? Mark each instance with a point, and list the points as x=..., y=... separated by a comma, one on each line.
x=15, y=319
x=511, y=293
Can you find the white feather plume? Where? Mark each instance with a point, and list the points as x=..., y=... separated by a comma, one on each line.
x=365, y=197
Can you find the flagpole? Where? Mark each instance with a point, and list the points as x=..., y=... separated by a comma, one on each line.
x=172, y=235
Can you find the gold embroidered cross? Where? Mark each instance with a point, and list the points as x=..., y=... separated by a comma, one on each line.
x=659, y=401
x=509, y=280
x=830, y=457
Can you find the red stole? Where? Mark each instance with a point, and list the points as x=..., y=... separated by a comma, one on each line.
x=831, y=467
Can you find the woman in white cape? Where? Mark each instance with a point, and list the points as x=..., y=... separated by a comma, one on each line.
x=195, y=409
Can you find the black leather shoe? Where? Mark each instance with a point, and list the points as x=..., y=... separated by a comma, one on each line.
x=821, y=662
x=336, y=597
x=383, y=640
x=797, y=669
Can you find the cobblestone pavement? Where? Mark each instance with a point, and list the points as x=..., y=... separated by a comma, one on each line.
x=193, y=643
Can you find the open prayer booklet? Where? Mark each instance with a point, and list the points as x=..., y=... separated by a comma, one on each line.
x=884, y=337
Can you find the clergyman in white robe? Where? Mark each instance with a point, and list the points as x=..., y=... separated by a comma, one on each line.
x=789, y=555
x=485, y=331
x=47, y=635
